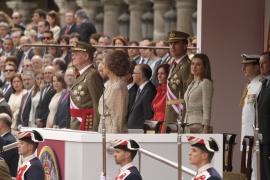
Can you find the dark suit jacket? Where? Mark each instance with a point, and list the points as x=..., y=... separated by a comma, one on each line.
x=71, y=30
x=11, y=156
x=43, y=105
x=264, y=113
x=62, y=115
x=20, y=56
x=132, y=96
x=24, y=112
x=141, y=109
x=8, y=93
x=4, y=107
x=86, y=29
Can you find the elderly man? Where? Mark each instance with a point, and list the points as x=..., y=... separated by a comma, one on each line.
x=11, y=157
x=86, y=91
x=28, y=78
x=47, y=93
x=179, y=74
x=31, y=167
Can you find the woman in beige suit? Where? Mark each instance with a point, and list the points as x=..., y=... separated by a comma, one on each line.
x=198, y=97
x=113, y=104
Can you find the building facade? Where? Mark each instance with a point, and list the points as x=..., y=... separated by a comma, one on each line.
x=136, y=19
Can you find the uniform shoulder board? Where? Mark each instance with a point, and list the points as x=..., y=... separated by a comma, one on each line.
x=202, y=176
x=123, y=175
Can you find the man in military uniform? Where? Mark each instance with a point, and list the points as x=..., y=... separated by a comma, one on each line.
x=251, y=70
x=200, y=155
x=31, y=167
x=179, y=75
x=124, y=153
x=86, y=90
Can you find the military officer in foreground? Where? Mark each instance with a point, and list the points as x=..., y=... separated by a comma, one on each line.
x=179, y=75
x=200, y=155
x=86, y=90
x=31, y=167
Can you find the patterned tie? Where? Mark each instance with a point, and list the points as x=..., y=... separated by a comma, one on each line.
x=138, y=94
x=67, y=30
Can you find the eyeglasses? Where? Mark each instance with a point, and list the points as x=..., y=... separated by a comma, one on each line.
x=15, y=17
x=136, y=73
x=47, y=38
x=9, y=70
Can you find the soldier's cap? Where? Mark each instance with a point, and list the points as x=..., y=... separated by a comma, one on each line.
x=250, y=58
x=175, y=36
x=128, y=145
x=207, y=145
x=30, y=136
x=84, y=47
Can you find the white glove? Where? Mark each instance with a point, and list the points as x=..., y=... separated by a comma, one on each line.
x=102, y=177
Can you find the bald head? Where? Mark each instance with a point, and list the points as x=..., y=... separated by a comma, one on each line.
x=5, y=120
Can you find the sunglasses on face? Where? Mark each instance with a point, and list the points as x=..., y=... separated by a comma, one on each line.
x=9, y=70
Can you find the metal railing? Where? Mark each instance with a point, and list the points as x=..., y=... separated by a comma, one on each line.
x=164, y=161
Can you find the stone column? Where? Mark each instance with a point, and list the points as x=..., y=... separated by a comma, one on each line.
x=136, y=10
x=160, y=8
x=91, y=7
x=185, y=9
x=112, y=11
x=20, y=6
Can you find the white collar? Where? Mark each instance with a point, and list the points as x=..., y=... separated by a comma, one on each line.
x=125, y=167
x=28, y=158
x=4, y=133
x=142, y=85
x=257, y=78
x=2, y=99
x=84, y=69
x=180, y=59
x=130, y=85
x=204, y=168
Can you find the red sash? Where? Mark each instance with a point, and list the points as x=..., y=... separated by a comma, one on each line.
x=87, y=115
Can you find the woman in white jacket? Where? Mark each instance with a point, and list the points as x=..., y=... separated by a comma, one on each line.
x=198, y=97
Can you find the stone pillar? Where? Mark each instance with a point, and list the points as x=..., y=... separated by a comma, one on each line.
x=136, y=10
x=123, y=21
x=185, y=9
x=112, y=11
x=99, y=19
x=160, y=8
x=20, y=6
x=91, y=7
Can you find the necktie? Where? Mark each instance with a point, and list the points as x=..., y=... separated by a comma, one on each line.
x=66, y=30
x=138, y=94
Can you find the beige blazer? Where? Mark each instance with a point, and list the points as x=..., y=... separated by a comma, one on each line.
x=198, y=98
x=114, y=107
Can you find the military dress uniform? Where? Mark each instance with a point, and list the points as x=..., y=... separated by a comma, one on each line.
x=177, y=84
x=178, y=80
x=85, y=94
x=30, y=167
x=251, y=94
x=207, y=172
x=128, y=172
